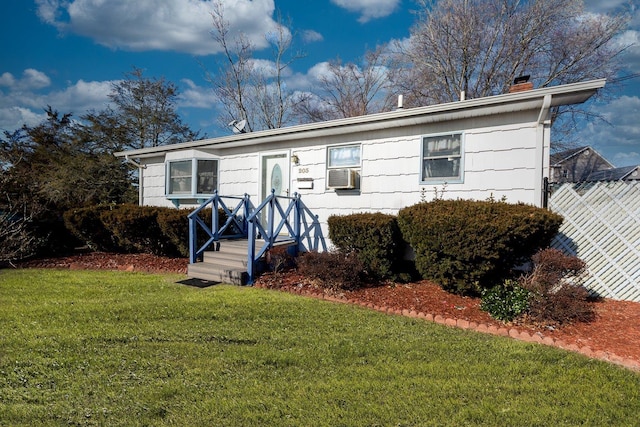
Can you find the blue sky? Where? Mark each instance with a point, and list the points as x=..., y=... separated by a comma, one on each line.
x=66, y=53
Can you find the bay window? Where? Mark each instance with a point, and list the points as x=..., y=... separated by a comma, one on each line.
x=191, y=178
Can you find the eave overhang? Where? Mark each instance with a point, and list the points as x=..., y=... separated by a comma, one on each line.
x=574, y=93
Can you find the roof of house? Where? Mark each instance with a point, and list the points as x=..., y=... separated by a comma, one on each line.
x=562, y=156
x=616, y=174
x=556, y=159
x=538, y=99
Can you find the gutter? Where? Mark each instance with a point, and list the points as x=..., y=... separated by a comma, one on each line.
x=140, y=167
x=542, y=158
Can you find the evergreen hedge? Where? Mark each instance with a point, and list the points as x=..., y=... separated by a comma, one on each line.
x=86, y=224
x=132, y=228
x=374, y=237
x=467, y=246
x=136, y=229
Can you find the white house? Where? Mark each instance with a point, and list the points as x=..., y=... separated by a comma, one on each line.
x=496, y=146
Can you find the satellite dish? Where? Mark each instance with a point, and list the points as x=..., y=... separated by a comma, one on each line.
x=238, y=126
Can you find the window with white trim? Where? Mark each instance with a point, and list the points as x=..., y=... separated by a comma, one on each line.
x=442, y=157
x=343, y=156
x=192, y=177
x=343, y=167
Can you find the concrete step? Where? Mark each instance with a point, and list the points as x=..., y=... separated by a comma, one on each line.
x=227, y=265
x=232, y=253
x=237, y=260
x=217, y=272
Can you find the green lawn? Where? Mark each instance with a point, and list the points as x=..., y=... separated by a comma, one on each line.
x=115, y=348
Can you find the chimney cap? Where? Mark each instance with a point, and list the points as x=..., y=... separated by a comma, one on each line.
x=521, y=79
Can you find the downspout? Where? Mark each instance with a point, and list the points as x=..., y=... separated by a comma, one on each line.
x=140, y=167
x=543, y=142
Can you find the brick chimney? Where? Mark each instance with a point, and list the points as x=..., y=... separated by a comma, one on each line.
x=521, y=84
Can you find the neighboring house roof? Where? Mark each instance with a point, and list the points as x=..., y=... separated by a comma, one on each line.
x=557, y=159
x=538, y=99
x=616, y=174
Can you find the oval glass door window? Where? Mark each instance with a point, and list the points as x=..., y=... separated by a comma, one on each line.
x=276, y=179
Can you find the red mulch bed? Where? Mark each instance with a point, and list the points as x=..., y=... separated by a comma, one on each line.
x=615, y=331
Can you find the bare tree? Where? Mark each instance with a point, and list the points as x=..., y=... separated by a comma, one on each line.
x=248, y=88
x=480, y=46
x=18, y=242
x=349, y=90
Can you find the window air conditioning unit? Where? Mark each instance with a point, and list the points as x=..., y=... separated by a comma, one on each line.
x=341, y=179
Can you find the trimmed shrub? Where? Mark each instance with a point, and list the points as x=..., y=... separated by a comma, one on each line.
x=505, y=302
x=132, y=228
x=466, y=246
x=136, y=229
x=86, y=224
x=374, y=237
x=335, y=270
x=557, y=292
x=174, y=224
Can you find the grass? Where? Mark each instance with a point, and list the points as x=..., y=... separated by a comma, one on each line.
x=115, y=348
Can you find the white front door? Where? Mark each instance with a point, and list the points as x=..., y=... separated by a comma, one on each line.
x=275, y=174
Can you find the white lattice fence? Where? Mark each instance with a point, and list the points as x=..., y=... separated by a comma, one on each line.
x=602, y=227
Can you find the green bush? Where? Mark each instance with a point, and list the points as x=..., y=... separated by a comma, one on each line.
x=174, y=224
x=86, y=224
x=373, y=237
x=505, y=302
x=132, y=228
x=467, y=246
x=136, y=229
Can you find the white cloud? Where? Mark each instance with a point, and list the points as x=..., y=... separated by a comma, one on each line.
x=168, y=25
x=318, y=71
x=20, y=105
x=620, y=139
x=24, y=103
x=310, y=36
x=31, y=79
x=368, y=9
x=34, y=79
x=623, y=112
x=629, y=38
x=12, y=118
x=196, y=96
x=627, y=158
x=631, y=56
x=7, y=79
x=81, y=97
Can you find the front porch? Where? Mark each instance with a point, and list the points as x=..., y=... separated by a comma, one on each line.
x=234, y=251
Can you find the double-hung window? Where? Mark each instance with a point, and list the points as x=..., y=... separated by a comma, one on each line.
x=442, y=158
x=192, y=177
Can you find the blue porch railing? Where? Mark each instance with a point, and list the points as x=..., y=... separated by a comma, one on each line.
x=278, y=220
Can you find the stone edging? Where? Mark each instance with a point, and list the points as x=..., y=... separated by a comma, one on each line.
x=483, y=328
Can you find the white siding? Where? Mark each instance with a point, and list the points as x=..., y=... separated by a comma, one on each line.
x=498, y=161
x=238, y=174
x=154, y=183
